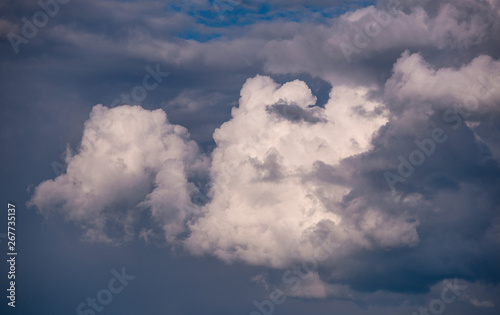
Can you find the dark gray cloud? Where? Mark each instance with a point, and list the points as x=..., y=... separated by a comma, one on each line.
x=293, y=113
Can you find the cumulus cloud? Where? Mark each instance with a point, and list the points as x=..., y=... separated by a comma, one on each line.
x=474, y=86
x=130, y=159
x=267, y=206
x=287, y=174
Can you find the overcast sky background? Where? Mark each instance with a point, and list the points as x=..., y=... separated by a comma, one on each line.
x=208, y=147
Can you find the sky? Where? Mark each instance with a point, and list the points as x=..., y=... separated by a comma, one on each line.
x=250, y=157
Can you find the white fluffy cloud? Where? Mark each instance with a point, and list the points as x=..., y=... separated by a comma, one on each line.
x=267, y=208
x=474, y=86
x=130, y=159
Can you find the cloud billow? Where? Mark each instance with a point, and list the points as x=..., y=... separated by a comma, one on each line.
x=130, y=159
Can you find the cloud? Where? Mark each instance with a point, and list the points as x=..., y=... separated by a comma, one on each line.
x=130, y=159
x=474, y=86
x=293, y=113
x=452, y=195
x=267, y=207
